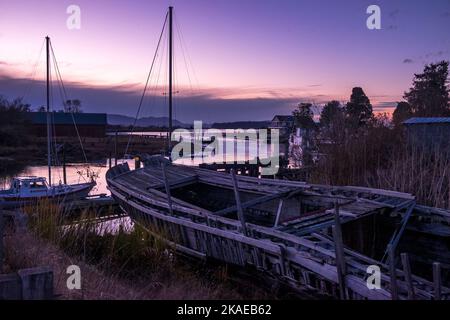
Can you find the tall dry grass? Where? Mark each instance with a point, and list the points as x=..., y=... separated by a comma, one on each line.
x=382, y=157
x=127, y=264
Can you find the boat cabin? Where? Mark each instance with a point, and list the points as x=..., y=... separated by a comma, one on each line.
x=29, y=186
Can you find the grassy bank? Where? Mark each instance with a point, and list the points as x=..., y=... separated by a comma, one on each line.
x=124, y=265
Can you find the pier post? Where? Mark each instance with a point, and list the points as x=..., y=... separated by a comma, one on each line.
x=238, y=201
x=137, y=163
x=64, y=164
x=393, y=272
x=167, y=185
x=408, y=277
x=1, y=241
x=437, y=280
x=115, y=148
x=339, y=250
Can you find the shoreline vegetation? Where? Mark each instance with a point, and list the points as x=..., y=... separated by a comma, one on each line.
x=121, y=265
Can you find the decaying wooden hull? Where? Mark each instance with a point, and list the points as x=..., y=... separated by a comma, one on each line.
x=286, y=231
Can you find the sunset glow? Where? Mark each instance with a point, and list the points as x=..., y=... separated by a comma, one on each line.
x=282, y=51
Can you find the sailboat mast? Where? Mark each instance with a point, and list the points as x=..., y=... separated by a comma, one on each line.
x=49, y=156
x=170, y=76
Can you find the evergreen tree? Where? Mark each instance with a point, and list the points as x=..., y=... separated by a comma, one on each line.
x=331, y=113
x=358, y=110
x=429, y=95
x=304, y=115
x=402, y=112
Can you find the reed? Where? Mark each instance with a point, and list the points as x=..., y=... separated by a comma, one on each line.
x=379, y=156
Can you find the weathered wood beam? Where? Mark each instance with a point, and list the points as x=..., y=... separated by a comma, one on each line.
x=408, y=277
x=1, y=240
x=249, y=203
x=166, y=183
x=393, y=273
x=340, y=257
x=277, y=218
x=240, y=211
x=182, y=182
x=399, y=231
x=437, y=280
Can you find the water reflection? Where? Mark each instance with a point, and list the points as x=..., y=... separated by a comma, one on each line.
x=75, y=172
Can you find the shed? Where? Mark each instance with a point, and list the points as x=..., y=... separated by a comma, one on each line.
x=429, y=131
x=63, y=124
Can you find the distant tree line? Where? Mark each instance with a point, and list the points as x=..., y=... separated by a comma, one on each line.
x=13, y=128
x=360, y=148
x=428, y=97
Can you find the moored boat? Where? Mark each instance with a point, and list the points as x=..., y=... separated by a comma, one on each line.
x=29, y=190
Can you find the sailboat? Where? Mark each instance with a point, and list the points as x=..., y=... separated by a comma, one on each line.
x=30, y=189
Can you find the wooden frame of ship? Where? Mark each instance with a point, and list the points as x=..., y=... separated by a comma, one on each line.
x=293, y=231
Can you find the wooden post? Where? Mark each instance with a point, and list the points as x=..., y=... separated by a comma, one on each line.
x=392, y=271
x=339, y=251
x=64, y=164
x=408, y=277
x=277, y=218
x=437, y=280
x=166, y=183
x=1, y=241
x=115, y=148
x=137, y=163
x=238, y=202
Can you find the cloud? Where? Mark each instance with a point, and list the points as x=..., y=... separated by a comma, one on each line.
x=394, y=13
x=407, y=60
x=206, y=104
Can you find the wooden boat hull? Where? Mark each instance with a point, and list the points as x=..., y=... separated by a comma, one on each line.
x=301, y=260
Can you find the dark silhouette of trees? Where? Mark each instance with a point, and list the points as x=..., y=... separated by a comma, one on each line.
x=429, y=94
x=358, y=110
x=303, y=116
x=73, y=106
x=331, y=113
x=13, y=120
x=402, y=112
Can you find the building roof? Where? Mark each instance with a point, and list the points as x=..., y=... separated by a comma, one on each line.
x=283, y=118
x=427, y=120
x=66, y=118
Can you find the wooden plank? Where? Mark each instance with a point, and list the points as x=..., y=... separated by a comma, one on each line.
x=249, y=203
x=339, y=249
x=399, y=231
x=408, y=278
x=393, y=273
x=2, y=229
x=437, y=281
x=166, y=183
x=238, y=202
x=277, y=218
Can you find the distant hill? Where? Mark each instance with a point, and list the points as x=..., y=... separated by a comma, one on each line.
x=241, y=125
x=120, y=120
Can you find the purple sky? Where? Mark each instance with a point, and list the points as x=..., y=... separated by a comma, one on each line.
x=244, y=59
